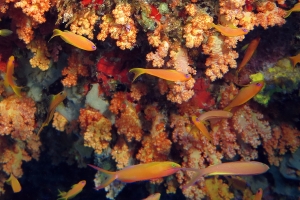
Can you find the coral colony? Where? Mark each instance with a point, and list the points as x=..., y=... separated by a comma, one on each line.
x=152, y=92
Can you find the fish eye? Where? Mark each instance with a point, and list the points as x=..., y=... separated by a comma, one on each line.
x=197, y=119
x=94, y=47
x=245, y=30
x=187, y=75
x=258, y=84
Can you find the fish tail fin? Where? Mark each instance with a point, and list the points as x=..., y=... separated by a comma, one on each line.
x=199, y=174
x=287, y=14
x=17, y=90
x=56, y=32
x=137, y=72
x=61, y=195
x=111, y=177
x=16, y=186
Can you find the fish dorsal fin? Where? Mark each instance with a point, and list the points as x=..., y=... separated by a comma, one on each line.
x=231, y=25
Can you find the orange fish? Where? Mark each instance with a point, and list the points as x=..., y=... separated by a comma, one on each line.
x=296, y=8
x=155, y=196
x=258, y=194
x=249, y=53
x=76, y=189
x=56, y=100
x=215, y=114
x=15, y=184
x=167, y=74
x=141, y=172
x=201, y=127
x=9, y=79
x=230, y=32
x=75, y=40
x=246, y=94
x=230, y=168
x=295, y=59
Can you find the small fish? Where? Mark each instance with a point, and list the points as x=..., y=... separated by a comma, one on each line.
x=258, y=194
x=167, y=74
x=249, y=53
x=215, y=114
x=295, y=59
x=229, y=31
x=56, y=100
x=296, y=8
x=201, y=127
x=246, y=94
x=230, y=168
x=155, y=196
x=5, y=32
x=76, y=189
x=15, y=184
x=75, y=40
x=9, y=79
x=140, y=172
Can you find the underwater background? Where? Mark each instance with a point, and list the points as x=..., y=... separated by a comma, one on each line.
x=117, y=83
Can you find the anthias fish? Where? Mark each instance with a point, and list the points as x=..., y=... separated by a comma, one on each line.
x=230, y=32
x=140, y=172
x=75, y=40
x=245, y=94
x=166, y=74
x=56, y=100
x=9, y=79
x=76, y=189
x=230, y=168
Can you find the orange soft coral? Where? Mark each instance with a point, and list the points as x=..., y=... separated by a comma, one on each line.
x=95, y=129
x=156, y=147
x=120, y=26
x=17, y=117
x=284, y=138
x=34, y=9
x=127, y=121
x=75, y=68
x=41, y=55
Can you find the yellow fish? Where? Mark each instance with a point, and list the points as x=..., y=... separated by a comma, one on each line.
x=201, y=127
x=230, y=32
x=9, y=79
x=230, y=168
x=167, y=74
x=296, y=8
x=56, y=100
x=245, y=94
x=295, y=59
x=5, y=32
x=249, y=53
x=77, y=188
x=75, y=40
x=141, y=172
x=15, y=184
